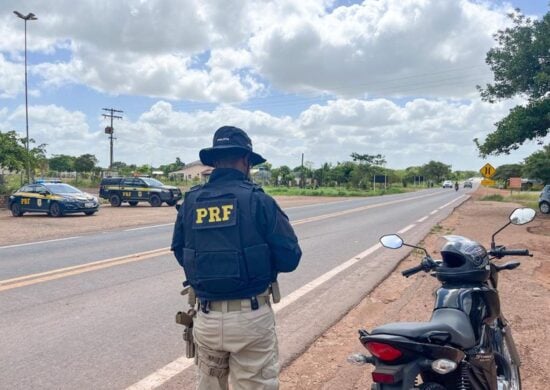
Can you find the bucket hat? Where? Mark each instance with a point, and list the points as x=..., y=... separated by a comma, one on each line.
x=226, y=138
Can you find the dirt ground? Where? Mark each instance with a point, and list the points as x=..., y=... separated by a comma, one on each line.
x=38, y=226
x=524, y=294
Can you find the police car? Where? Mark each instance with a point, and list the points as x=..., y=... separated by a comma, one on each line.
x=52, y=197
x=138, y=189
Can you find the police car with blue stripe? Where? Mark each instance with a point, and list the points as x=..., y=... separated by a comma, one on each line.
x=52, y=197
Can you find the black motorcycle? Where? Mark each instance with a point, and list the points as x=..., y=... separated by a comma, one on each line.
x=467, y=344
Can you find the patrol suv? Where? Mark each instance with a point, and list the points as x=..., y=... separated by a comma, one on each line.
x=137, y=189
x=51, y=197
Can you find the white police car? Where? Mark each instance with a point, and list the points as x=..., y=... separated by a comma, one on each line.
x=51, y=197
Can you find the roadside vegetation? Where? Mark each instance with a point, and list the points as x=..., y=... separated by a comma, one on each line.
x=525, y=198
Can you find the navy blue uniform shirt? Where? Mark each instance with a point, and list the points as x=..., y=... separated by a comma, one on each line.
x=271, y=221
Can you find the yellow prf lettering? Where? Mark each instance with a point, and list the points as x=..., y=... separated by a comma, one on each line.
x=226, y=211
x=214, y=214
x=201, y=213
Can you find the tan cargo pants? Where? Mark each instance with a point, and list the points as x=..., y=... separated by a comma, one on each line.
x=239, y=346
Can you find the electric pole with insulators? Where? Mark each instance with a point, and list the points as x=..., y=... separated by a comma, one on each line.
x=110, y=130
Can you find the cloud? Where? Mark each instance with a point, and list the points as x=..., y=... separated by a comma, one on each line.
x=12, y=78
x=385, y=48
x=228, y=52
x=410, y=134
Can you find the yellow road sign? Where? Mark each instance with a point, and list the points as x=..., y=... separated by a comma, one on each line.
x=488, y=182
x=487, y=170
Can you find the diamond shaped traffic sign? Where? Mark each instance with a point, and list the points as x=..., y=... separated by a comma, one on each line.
x=487, y=170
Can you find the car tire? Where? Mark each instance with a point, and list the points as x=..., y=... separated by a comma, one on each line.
x=90, y=212
x=133, y=203
x=544, y=207
x=155, y=201
x=115, y=200
x=16, y=210
x=55, y=210
x=171, y=202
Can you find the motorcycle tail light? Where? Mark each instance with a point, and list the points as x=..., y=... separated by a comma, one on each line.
x=383, y=351
x=379, y=377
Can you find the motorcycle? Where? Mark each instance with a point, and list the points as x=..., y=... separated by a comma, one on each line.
x=456, y=186
x=467, y=344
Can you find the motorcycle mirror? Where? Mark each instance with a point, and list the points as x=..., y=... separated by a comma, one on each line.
x=521, y=216
x=392, y=241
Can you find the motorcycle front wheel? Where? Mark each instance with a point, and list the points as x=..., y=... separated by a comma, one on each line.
x=508, y=379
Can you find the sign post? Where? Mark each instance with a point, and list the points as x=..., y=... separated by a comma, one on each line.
x=487, y=171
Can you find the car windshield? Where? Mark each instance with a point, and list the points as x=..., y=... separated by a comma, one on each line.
x=62, y=189
x=151, y=182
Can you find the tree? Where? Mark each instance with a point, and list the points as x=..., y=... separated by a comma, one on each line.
x=12, y=151
x=537, y=165
x=436, y=170
x=521, y=66
x=506, y=171
x=85, y=163
x=61, y=163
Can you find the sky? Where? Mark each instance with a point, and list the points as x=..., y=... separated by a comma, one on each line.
x=324, y=78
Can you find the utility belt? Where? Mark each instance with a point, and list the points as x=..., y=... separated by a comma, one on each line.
x=233, y=305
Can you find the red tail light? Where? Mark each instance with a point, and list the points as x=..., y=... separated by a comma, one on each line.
x=383, y=378
x=383, y=351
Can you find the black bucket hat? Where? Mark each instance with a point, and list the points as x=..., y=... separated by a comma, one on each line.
x=226, y=138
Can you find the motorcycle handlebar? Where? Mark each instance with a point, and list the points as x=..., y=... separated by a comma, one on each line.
x=516, y=252
x=510, y=252
x=411, y=271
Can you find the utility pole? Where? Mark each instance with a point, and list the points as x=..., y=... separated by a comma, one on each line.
x=110, y=130
x=302, y=173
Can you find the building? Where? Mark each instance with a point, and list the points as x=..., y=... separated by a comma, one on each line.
x=195, y=171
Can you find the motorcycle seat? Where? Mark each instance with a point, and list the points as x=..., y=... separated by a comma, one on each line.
x=451, y=321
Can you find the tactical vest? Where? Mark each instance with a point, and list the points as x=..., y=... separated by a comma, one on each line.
x=224, y=257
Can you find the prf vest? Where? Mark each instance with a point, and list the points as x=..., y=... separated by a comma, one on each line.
x=224, y=257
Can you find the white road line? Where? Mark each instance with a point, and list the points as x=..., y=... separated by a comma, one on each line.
x=175, y=367
x=39, y=242
x=423, y=219
x=406, y=228
x=149, y=227
x=433, y=212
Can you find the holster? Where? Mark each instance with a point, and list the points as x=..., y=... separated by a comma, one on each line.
x=275, y=292
x=186, y=319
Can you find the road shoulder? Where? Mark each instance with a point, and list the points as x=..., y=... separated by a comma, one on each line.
x=525, y=298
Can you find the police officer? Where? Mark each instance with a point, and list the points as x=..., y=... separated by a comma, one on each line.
x=232, y=240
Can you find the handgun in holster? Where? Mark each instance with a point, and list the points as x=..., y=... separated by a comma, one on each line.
x=275, y=292
x=186, y=319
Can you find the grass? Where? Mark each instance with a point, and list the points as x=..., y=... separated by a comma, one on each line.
x=525, y=198
x=333, y=191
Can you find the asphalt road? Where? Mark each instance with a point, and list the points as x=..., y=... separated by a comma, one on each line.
x=97, y=311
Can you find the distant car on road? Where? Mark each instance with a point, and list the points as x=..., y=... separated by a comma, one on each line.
x=51, y=197
x=448, y=184
x=544, y=200
x=467, y=184
x=137, y=189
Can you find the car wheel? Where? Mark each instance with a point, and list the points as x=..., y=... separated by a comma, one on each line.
x=171, y=202
x=55, y=210
x=155, y=201
x=115, y=201
x=89, y=212
x=16, y=210
x=544, y=207
x=133, y=203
